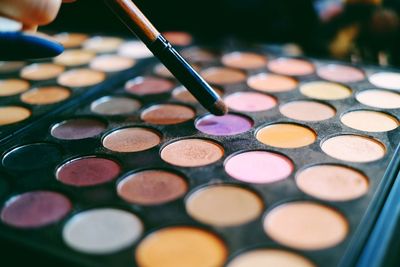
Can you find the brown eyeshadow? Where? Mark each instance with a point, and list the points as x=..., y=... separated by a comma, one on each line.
x=167, y=114
x=221, y=75
x=45, y=95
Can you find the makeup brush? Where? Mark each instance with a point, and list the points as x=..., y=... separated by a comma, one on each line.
x=136, y=21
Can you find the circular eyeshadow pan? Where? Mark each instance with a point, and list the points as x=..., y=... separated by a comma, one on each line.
x=353, y=148
x=224, y=205
x=291, y=66
x=78, y=128
x=41, y=71
x=13, y=114
x=114, y=105
x=182, y=94
x=148, y=86
x=135, y=50
x=11, y=66
x=151, y=187
x=340, y=73
x=269, y=257
x=35, y=209
x=387, y=80
x=222, y=75
x=332, y=182
x=325, y=90
x=20, y=158
x=166, y=114
x=307, y=111
x=198, y=55
x=369, y=121
x=286, y=135
x=229, y=124
x=244, y=60
x=306, y=225
x=87, y=171
x=74, y=57
x=81, y=78
x=111, y=63
x=45, y=95
x=272, y=83
x=178, y=38
x=102, y=230
x=102, y=44
x=259, y=167
x=250, y=101
x=10, y=87
x=191, y=152
x=379, y=98
x=166, y=247
x=132, y=139
x=69, y=40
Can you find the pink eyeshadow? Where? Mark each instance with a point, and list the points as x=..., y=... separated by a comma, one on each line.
x=148, y=85
x=250, y=101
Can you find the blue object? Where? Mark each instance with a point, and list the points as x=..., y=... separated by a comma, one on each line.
x=22, y=46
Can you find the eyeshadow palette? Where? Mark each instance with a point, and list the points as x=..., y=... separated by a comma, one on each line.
x=140, y=175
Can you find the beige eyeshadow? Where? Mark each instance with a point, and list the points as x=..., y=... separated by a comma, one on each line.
x=325, y=90
x=11, y=66
x=69, y=40
x=244, y=60
x=221, y=75
x=132, y=139
x=369, y=121
x=81, y=77
x=379, y=98
x=182, y=94
x=291, y=66
x=111, y=63
x=307, y=111
x=332, y=182
x=271, y=83
x=45, y=95
x=306, y=225
x=102, y=44
x=224, y=205
x=165, y=114
x=12, y=87
x=162, y=71
x=269, y=257
x=41, y=71
x=192, y=152
x=353, y=148
x=74, y=57
x=13, y=114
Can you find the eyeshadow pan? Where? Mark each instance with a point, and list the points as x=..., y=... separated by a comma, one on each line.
x=387, y=80
x=198, y=55
x=291, y=66
x=12, y=87
x=269, y=257
x=182, y=94
x=74, y=57
x=69, y=40
x=258, y=167
x=148, y=86
x=224, y=205
x=250, y=101
x=286, y=135
x=306, y=225
x=340, y=73
x=41, y=71
x=165, y=114
x=78, y=128
x=273, y=83
x=229, y=124
x=244, y=60
x=369, y=121
x=13, y=114
x=81, y=77
x=307, y=110
x=325, y=90
x=222, y=75
x=102, y=44
x=135, y=50
x=181, y=246
x=132, y=139
x=115, y=105
x=45, y=95
x=111, y=63
x=35, y=209
x=151, y=187
x=11, y=66
x=102, y=230
x=353, y=148
x=87, y=171
x=178, y=38
x=379, y=98
x=332, y=182
x=192, y=152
